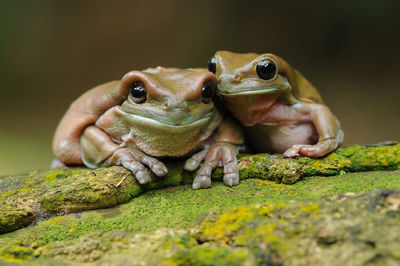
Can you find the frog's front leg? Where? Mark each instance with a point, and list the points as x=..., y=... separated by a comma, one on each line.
x=222, y=153
x=98, y=149
x=330, y=136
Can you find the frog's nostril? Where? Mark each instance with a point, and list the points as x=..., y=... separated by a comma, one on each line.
x=229, y=78
x=176, y=106
x=170, y=104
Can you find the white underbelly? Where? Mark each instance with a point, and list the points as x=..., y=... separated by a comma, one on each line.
x=279, y=138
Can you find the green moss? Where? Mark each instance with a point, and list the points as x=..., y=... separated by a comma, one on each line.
x=361, y=230
x=43, y=193
x=36, y=194
x=372, y=158
x=181, y=207
x=41, y=196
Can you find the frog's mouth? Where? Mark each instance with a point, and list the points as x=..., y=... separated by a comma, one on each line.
x=172, y=127
x=247, y=91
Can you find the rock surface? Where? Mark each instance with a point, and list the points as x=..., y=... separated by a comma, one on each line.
x=337, y=230
x=46, y=198
x=30, y=197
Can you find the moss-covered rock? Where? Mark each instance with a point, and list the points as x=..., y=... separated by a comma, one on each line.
x=163, y=247
x=342, y=229
x=27, y=198
x=339, y=230
x=180, y=207
x=30, y=197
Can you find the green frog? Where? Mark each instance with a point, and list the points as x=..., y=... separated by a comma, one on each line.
x=145, y=117
x=281, y=111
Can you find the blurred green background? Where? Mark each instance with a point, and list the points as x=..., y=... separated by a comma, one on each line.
x=53, y=51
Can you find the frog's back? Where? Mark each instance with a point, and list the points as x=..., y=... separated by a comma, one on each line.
x=303, y=90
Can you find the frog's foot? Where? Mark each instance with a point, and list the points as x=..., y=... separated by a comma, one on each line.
x=219, y=154
x=318, y=150
x=134, y=160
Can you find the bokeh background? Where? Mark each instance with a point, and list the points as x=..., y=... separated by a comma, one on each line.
x=53, y=51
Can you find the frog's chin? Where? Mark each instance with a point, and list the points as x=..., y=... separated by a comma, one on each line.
x=248, y=91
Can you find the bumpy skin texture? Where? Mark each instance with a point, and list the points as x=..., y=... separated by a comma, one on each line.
x=282, y=112
x=170, y=115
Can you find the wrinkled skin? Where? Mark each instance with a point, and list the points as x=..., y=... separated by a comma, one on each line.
x=281, y=111
x=148, y=115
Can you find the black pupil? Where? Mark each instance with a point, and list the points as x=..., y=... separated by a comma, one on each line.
x=207, y=91
x=266, y=69
x=212, y=65
x=138, y=90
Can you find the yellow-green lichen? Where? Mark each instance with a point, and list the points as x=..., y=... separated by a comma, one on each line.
x=290, y=236
x=227, y=223
x=213, y=255
x=15, y=254
x=311, y=208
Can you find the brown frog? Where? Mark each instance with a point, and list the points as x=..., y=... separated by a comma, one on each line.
x=281, y=111
x=146, y=116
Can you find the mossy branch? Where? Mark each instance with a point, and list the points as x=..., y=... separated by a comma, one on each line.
x=27, y=198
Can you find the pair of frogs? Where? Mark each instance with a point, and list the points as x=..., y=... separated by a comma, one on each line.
x=168, y=112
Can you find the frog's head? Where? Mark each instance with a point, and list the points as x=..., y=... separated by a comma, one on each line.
x=248, y=74
x=167, y=98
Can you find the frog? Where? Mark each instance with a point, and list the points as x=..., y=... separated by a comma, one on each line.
x=146, y=117
x=280, y=110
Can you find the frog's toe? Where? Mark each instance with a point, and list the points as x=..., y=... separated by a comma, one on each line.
x=141, y=174
x=143, y=177
x=312, y=151
x=56, y=163
x=231, y=179
x=201, y=182
x=231, y=173
x=159, y=169
x=320, y=149
x=292, y=151
x=193, y=162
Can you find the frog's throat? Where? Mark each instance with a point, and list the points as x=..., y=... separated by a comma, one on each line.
x=154, y=123
x=247, y=91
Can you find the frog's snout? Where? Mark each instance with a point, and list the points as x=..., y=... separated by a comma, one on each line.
x=177, y=112
x=174, y=105
x=229, y=78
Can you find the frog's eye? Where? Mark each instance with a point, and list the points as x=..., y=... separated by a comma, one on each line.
x=212, y=65
x=138, y=92
x=207, y=92
x=266, y=69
